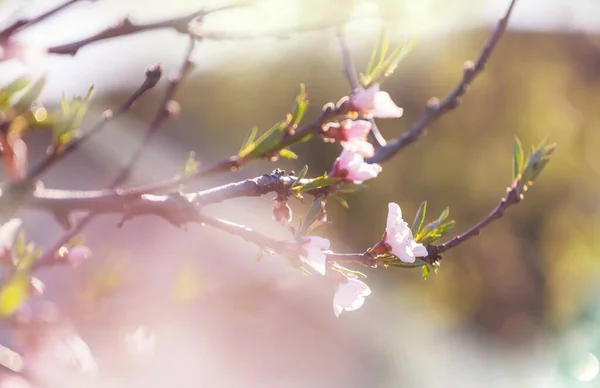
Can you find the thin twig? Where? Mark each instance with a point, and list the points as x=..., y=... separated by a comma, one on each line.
x=108, y=201
x=153, y=75
x=162, y=114
x=435, y=108
x=512, y=198
x=127, y=27
x=24, y=23
x=349, y=68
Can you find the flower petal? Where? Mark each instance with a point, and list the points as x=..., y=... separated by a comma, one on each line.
x=394, y=217
x=363, y=99
x=8, y=233
x=419, y=249
x=384, y=106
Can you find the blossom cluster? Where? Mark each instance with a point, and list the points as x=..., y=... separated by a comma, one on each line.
x=350, y=291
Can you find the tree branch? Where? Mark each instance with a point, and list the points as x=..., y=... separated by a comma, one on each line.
x=153, y=75
x=24, y=23
x=132, y=209
x=435, y=108
x=127, y=27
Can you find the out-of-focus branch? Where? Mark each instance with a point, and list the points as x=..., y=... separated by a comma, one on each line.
x=24, y=23
x=435, y=108
x=127, y=27
x=153, y=75
x=17, y=192
x=162, y=114
x=109, y=201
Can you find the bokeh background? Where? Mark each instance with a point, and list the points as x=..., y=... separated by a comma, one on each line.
x=517, y=306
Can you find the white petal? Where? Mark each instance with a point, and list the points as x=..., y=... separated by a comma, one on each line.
x=419, y=250
x=363, y=99
x=8, y=233
x=318, y=242
x=406, y=255
x=361, y=287
x=317, y=260
x=394, y=217
x=358, y=129
x=337, y=310
x=359, y=146
x=384, y=107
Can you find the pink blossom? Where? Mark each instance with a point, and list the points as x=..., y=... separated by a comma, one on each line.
x=355, y=137
x=282, y=213
x=375, y=102
x=400, y=238
x=352, y=166
x=350, y=295
x=79, y=254
x=315, y=249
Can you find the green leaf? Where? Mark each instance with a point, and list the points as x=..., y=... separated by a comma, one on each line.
x=518, y=158
x=426, y=272
x=301, y=176
x=72, y=113
x=537, y=161
x=390, y=64
x=313, y=213
x=248, y=144
x=435, y=229
x=419, y=217
x=348, y=187
x=24, y=103
x=7, y=92
x=317, y=183
x=340, y=200
x=191, y=164
x=285, y=153
x=300, y=105
x=14, y=293
x=268, y=141
x=444, y=215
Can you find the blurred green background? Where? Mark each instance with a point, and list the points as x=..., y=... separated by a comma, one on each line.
x=514, y=307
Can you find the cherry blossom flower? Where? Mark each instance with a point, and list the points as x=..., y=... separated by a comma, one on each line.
x=355, y=137
x=282, y=213
x=400, y=238
x=315, y=249
x=375, y=102
x=352, y=166
x=350, y=295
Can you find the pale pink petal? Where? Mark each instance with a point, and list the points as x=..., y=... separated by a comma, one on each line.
x=337, y=310
x=350, y=296
x=363, y=100
x=384, y=107
x=319, y=242
x=358, y=146
x=357, y=129
x=406, y=254
x=78, y=255
x=419, y=250
x=394, y=217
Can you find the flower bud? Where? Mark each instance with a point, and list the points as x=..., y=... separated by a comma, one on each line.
x=282, y=213
x=77, y=255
